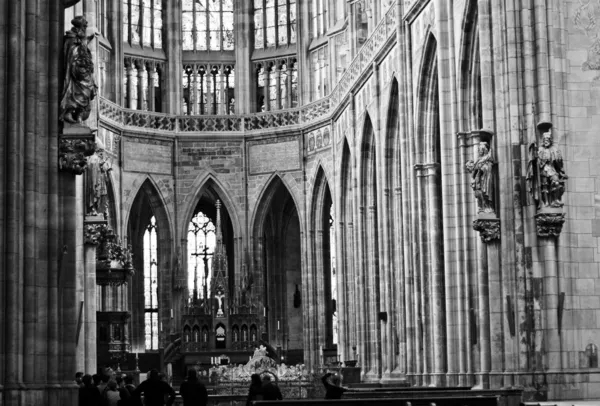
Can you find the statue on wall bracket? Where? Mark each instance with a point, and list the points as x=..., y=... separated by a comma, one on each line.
x=546, y=179
x=483, y=183
x=77, y=141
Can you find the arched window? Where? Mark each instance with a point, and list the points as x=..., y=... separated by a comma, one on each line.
x=201, y=247
x=142, y=23
x=150, y=286
x=274, y=23
x=207, y=25
x=334, y=313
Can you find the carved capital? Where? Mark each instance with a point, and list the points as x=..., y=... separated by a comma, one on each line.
x=549, y=224
x=94, y=232
x=75, y=145
x=427, y=169
x=489, y=229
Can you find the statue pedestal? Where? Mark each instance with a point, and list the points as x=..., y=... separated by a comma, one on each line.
x=488, y=226
x=549, y=221
x=76, y=143
x=350, y=375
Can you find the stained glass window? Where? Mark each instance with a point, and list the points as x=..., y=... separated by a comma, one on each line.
x=151, y=286
x=201, y=247
x=333, y=274
x=207, y=25
x=274, y=23
x=319, y=77
x=142, y=23
x=318, y=13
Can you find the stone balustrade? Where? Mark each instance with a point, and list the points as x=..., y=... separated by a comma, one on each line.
x=322, y=109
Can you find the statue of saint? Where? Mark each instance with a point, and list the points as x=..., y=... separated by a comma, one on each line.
x=79, y=85
x=482, y=178
x=96, y=178
x=545, y=173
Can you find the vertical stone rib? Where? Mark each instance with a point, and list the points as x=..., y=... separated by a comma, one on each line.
x=54, y=231
x=4, y=107
x=14, y=200
x=30, y=166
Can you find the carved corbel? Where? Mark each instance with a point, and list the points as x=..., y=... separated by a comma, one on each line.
x=94, y=232
x=75, y=145
x=549, y=224
x=489, y=229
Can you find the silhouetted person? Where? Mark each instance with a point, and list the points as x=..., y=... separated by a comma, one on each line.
x=124, y=394
x=256, y=391
x=78, y=377
x=333, y=386
x=193, y=392
x=154, y=390
x=270, y=390
x=130, y=387
x=88, y=393
x=111, y=394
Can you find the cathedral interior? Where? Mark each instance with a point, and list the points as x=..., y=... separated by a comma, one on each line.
x=407, y=187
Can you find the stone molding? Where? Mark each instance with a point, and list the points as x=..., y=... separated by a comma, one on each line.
x=489, y=229
x=427, y=169
x=549, y=224
x=75, y=144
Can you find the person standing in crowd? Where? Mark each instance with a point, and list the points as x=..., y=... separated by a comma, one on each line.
x=193, y=392
x=103, y=383
x=155, y=390
x=78, y=377
x=270, y=390
x=88, y=393
x=123, y=392
x=111, y=394
x=255, y=392
x=333, y=386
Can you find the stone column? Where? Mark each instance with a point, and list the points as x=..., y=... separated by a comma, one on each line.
x=267, y=82
x=130, y=89
x=150, y=67
x=139, y=65
x=437, y=304
x=245, y=78
x=173, y=88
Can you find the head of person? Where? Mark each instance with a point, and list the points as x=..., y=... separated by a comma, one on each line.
x=192, y=375
x=87, y=380
x=335, y=380
x=105, y=378
x=112, y=385
x=78, y=377
x=128, y=380
x=255, y=379
x=119, y=380
x=153, y=375
x=547, y=139
x=97, y=379
x=484, y=147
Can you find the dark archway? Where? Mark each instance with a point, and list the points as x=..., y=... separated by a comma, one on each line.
x=278, y=272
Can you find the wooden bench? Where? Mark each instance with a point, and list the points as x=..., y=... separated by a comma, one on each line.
x=507, y=397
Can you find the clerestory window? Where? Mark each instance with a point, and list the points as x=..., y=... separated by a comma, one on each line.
x=142, y=23
x=274, y=23
x=207, y=25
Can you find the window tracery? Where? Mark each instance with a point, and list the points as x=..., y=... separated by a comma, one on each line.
x=142, y=84
x=277, y=84
x=142, y=23
x=201, y=248
x=207, y=25
x=274, y=23
x=208, y=89
x=151, y=286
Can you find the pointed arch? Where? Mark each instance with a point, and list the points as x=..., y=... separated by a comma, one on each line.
x=200, y=186
x=427, y=91
x=147, y=203
x=266, y=197
x=366, y=163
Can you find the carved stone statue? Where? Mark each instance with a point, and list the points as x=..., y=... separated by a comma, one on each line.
x=482, y=178
x=96, y=182
x=79, y=85
x=545, y=173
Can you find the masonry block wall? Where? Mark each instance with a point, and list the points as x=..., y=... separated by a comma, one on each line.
x=421, y=295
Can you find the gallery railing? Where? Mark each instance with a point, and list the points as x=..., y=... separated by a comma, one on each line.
x=318, y=110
